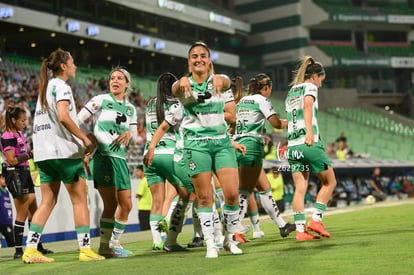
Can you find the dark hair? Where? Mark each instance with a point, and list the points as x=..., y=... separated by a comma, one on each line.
x=237, y=88
x=204, y=45
x=12, y=113
x=140, y=166
x=164, y=94
x=51, y=63
x=258, y=82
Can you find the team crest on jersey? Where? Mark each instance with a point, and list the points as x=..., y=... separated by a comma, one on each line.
x=192, y=165
x=210, y=86
x=129, y=111
x=94, y=106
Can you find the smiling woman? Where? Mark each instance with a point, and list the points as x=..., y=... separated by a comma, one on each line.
x=207, y=145
x=115, y=126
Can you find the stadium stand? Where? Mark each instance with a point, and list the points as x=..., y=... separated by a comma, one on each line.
x=375, y=120
x=368, y=133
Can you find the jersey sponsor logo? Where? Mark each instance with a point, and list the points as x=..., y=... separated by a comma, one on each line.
x=39, y=112
x=248, y=101
x=42, y=127
x=206, y=113
x=295, y=134
x=201, y=98
x=120, y=118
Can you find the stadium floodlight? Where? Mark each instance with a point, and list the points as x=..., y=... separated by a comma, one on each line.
x=6, y=12
x=220, y=19
x=159, y=45
x=214, y=56
x=144, y=41
x=73, y=26
x=92, y=30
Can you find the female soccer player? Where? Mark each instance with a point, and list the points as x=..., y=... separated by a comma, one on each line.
x=306, y=153
x=172, y=120
x=59, y=149
x=17, y=174
x=252, y=112
x=115, y=123
x=207, y=145
x=160, y=154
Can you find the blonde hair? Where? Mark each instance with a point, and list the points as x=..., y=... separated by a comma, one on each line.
x=125, y=73
x=307, y=68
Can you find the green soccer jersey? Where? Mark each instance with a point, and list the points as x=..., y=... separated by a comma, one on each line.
x=167, y=143
x=251, y=114
x=204, y=119
x=111, y=119
x=173, y=117
x=294, y=107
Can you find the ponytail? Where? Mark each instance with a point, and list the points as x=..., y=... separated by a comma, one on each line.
x=308, y=67
x=237, y=88
x=50, y=64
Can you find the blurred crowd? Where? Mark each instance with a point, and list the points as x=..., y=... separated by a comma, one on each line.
x=18, y=89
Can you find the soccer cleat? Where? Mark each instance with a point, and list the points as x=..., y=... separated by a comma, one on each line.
x=157, y=246
x=115, y=252
x=33, y=256
x=197, y=242
x=18, y=255
x=239, y=238
x=118, y=248
x=305, y=236
x=285, y=230
x=86, y=254
x=258, y=234
x=318, y=227
x=123, y=250
x=243, y=229
x=212, y=250
x=174, y=248
x=231, y=246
